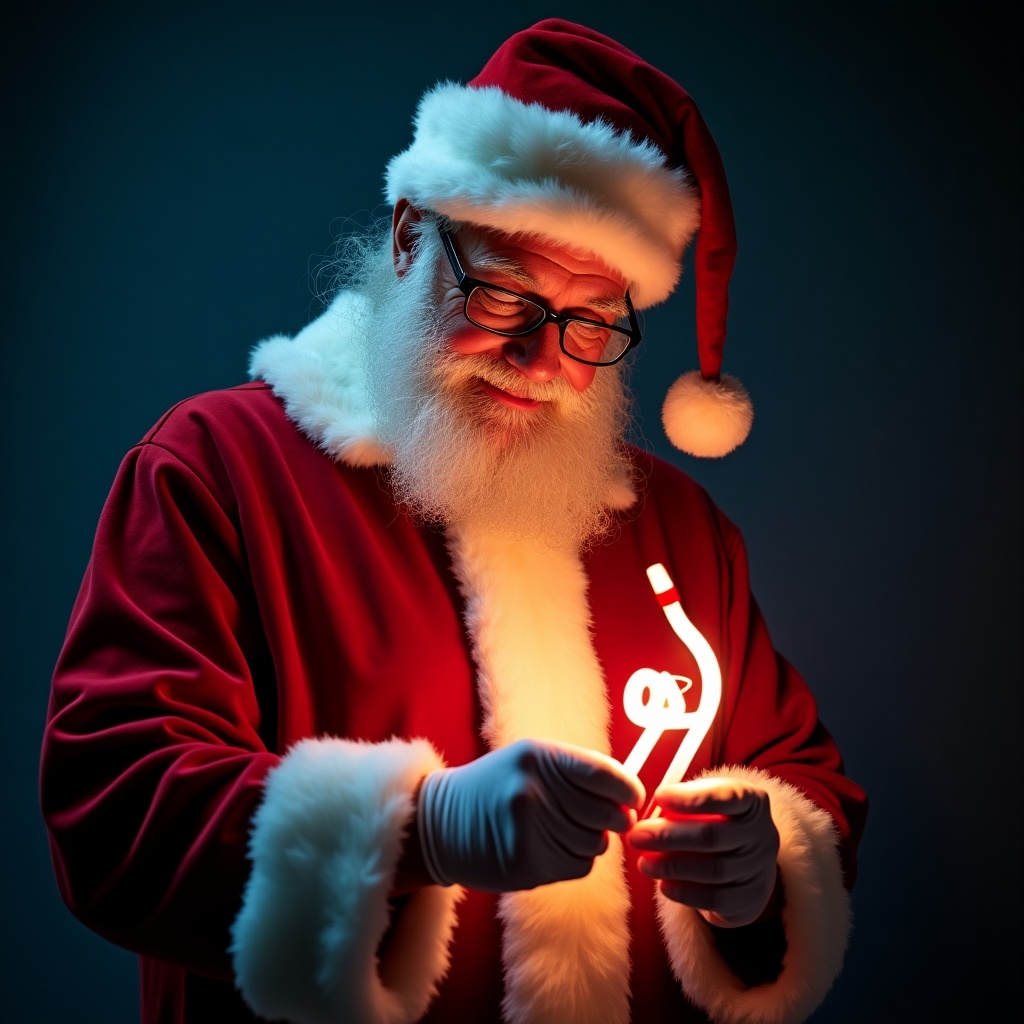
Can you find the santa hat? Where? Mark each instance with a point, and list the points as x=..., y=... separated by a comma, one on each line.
x=568, y=135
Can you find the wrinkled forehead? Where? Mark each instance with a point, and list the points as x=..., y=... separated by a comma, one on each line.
x=527, y=260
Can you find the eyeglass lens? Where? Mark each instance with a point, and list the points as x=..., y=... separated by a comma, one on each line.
x=507, y=313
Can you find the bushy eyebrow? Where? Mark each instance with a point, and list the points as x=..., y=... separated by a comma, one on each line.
x=609, y=304
x=503, y=265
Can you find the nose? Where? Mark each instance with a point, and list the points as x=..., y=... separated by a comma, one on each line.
x=536, y=356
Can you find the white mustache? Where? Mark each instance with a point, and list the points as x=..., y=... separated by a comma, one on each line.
x=463, y=369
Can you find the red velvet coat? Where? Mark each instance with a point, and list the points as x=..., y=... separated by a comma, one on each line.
x=247, y=591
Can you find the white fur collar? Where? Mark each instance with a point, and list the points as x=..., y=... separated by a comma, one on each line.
x=319, y=376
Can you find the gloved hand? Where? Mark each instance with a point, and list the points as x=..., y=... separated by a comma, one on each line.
x=528, y=814
x=714, y=848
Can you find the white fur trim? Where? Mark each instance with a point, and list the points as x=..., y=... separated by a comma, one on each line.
x=816, y=918
x=707, y=418
x=565, y=946
x=324, y=847
x=481, y=156
x=319, y=376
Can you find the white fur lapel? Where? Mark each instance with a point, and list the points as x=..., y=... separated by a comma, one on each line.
x=566, y=947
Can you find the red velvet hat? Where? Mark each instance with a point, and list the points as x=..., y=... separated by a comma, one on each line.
x=568, y=135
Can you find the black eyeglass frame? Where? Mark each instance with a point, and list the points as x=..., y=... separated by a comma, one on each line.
x=467, y=285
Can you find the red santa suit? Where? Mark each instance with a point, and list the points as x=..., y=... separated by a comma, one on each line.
x=267, y=655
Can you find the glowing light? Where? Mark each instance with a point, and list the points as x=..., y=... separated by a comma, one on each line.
x=665, y=708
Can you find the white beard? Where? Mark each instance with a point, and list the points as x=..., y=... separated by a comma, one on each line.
x=543, y=475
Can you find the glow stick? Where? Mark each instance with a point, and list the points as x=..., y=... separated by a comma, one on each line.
x=666, y=709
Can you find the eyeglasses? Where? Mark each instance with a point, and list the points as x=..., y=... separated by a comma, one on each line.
x=507, y=313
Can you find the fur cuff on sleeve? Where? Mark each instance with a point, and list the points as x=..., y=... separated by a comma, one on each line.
x=324, y=847
x=816, y=918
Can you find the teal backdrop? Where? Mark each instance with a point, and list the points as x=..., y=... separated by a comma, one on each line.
x=174, y=176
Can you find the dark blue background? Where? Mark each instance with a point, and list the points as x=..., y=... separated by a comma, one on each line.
x=172, y=179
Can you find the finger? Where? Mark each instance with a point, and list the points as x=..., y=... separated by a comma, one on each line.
x=733, y=905
x=575, y=841
x=708, y=796
x=544, y=870
x=594, y=809
x=712, y=835
x=585, y=810
x=598, y=774
x=703, y=868
x=594, y=813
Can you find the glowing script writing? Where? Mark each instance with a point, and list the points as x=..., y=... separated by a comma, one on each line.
x=654, y=700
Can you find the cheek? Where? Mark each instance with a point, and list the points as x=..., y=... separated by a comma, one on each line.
x=579, y=375
x=466, y=340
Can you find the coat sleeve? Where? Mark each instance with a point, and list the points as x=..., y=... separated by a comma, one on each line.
x=176, y=830
x=769, y=735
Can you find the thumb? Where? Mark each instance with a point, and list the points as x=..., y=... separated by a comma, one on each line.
x=707, y=796
x=599, y=775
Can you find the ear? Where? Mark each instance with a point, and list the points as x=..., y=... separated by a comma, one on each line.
x=403, y=238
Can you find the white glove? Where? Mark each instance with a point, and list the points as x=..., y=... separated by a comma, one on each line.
x=528, y=814
x=714, y=848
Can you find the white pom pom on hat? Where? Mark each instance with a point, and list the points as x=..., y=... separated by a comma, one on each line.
x=708, y=418
x=568, y=135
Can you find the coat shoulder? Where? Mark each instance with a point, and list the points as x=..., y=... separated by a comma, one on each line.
x=667, y=490
x=219, y=411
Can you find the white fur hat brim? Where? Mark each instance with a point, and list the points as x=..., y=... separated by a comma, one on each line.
x=481, y=156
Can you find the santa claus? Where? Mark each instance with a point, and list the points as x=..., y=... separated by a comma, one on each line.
x=400, y=687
